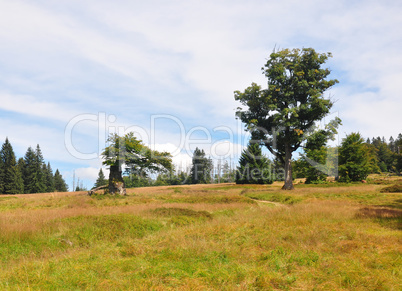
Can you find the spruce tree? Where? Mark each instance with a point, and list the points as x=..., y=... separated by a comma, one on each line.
x=11, y=176
x=40, y=186
x=254, y=167
x=1, y=176
x=29, y=171
x=101, y=180
x=201, y=168
x=49, y=178
x=59, y=183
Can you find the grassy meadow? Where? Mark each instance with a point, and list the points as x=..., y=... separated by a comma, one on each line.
x=205, y=237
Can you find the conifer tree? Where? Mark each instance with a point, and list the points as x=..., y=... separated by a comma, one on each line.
x=201, y=168
x=101, y=180
x=49, y=177
x=34, y=175
x=254, y=167
x=1, y=176
x=40, y=185
x=29, y=171
x=21, y=168
x=59, y=183
x=11, y=176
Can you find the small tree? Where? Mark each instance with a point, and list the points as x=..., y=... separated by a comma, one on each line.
x=49, y=177
x=101, y=180
x=138, y=159
x=11, y=176
x=59, y=183
x=315, y=160
x=39, y=185
x=279, y=115
x=254, y=167
x=229, y=175
x=201, y=168
x=354, y=159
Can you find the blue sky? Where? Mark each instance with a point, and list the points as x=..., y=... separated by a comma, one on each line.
x=73, y=71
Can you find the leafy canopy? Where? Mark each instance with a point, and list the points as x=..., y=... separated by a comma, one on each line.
x=280, y=114
x=354, y=158
x=129, y=151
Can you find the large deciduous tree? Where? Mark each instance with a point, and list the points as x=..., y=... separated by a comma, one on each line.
x=279, y=115
x=139, y=159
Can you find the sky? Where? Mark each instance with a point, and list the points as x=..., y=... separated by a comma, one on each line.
x=72, y=72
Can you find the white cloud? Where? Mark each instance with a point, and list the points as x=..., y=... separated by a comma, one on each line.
x=184, y=58
x=29, y=105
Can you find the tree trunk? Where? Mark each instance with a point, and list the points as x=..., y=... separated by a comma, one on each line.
x=288, y=169
x=116, y=182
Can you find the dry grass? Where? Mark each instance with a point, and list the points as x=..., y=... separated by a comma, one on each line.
x=204, y=237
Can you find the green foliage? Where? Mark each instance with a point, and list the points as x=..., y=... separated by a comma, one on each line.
x=386, y=158
x=201, y=169
x=59, y=183
x=254, y=167
x=354, y=159
x=132, y=181
x=318, y=160
x=101, y=180
x=139, y=160
x=229, y=175
x=29, y=175
x=137, y=157
x=49, y=178
x=172, y=178
x=279, y=115
x=33, y=174
x=10, y=175
x=1, y=175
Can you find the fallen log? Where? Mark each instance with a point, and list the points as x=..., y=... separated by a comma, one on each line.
x=93, y=190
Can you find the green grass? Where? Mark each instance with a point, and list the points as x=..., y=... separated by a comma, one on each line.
x=208, y=237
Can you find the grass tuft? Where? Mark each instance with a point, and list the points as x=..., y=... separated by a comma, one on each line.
x=397, y=188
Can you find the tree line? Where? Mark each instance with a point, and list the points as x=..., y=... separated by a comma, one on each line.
x=201, y=171
x=28, y=174
x=280, y=117
x=352, y=161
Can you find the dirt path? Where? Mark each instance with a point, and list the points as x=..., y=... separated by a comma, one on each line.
x=271, y=202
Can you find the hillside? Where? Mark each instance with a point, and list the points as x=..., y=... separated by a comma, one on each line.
x=219, y=236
